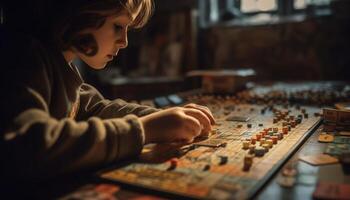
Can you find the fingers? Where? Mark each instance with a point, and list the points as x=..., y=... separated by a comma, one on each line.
x=201, y=117
x=194, y=128
x=203, y=109
x=183, y=125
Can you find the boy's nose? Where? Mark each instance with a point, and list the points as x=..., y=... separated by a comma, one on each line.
x=122, y=42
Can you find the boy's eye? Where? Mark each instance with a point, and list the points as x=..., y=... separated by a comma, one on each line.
x=118, y=27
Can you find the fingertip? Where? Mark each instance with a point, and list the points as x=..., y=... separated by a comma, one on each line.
x=205, y=134
x=212, y=119
x=189, y=141
x=207, y=129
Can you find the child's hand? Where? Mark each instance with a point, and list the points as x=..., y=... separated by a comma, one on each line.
x=178, y=124
x=204, y=109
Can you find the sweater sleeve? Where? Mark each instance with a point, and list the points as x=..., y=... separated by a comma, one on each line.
x=92, y=103
x=37, y=144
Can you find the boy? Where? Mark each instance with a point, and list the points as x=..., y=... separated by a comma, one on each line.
x=52, y=122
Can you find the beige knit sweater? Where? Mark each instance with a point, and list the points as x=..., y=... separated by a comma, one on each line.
x=52, y=122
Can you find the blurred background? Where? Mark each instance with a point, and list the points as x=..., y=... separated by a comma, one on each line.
x=282, y=40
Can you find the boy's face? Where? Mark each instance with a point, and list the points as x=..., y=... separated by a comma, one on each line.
x=111, y=37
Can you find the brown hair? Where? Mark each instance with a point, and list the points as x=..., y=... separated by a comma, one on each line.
x=80, y=15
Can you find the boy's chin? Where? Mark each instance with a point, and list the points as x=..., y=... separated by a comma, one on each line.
x=94, y=63
x=97, y=65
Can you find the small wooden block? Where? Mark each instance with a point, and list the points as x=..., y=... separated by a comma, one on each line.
x=289, y=172
x=286, y=181
x=325, y=138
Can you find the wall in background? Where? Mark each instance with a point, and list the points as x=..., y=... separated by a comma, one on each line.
x=312, y=49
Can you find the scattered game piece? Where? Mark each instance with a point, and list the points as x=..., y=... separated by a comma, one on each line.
x=319, y=159
x=253, y=139
x=262, y=141
x=223, y=160
x=258, y=137
x=289, y=171
x=274, y=139
x=266, y=147
x=206, y=167
x=270, y=133
x=328, y=190
x=285, y=130
x=259, y=151
x=325, y=138
x=275, y=129
x=279, y=136
x=275, y=120
x=173, y=164
x=286, y=181
x=269, y=142
x=246, y=144
x=251, y=149
x=248, y=161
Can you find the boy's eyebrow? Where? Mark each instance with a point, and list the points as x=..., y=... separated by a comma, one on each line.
x=130, y=16
x=116, y=18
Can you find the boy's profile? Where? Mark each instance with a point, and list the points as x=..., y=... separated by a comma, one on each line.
x=51, y=121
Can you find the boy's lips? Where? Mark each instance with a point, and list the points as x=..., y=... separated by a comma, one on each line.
x=110, y=57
